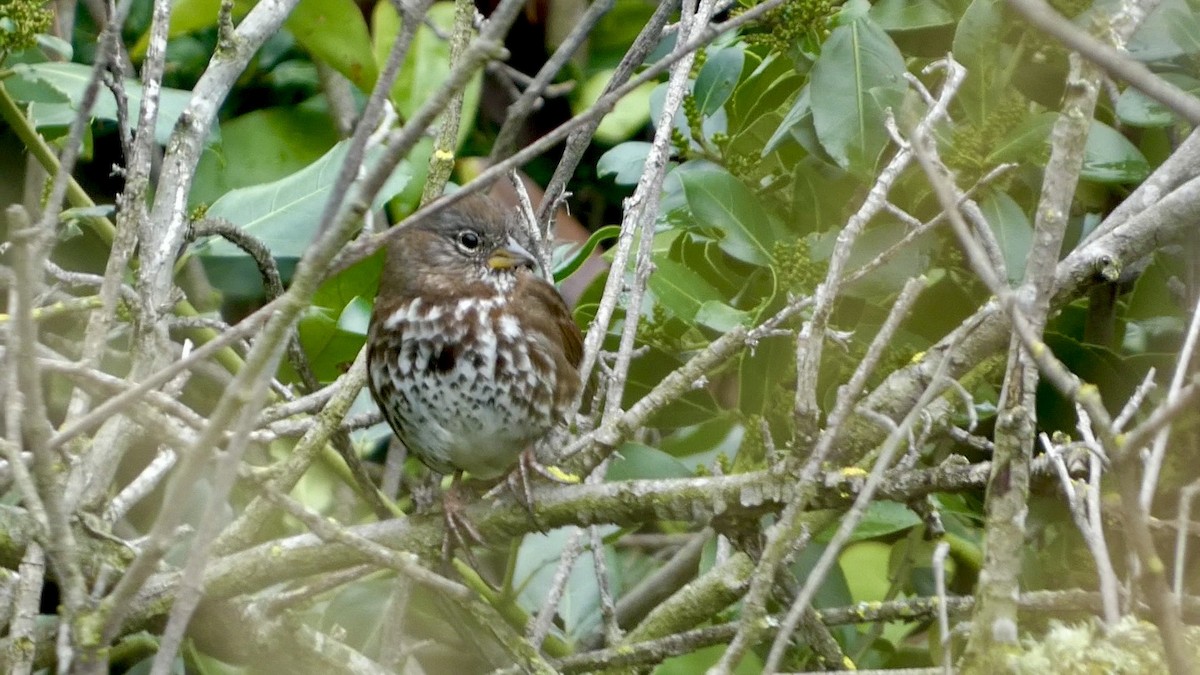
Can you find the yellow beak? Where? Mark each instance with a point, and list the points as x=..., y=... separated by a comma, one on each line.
x=511, y=255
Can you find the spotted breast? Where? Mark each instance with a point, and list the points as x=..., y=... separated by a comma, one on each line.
x=472, y=355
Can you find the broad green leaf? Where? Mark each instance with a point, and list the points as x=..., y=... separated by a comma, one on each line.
x=638, y=461
x=717, y=78
x=704, y=256
x=697, y=446
x=797, y=124
x=646, y=372
x=1013, y=232
x=70, y=80
x=761, y=372
x=721, y=317
x=852, y=11
x=859, y=74
x=1110, y=158
x=865, y=566
x=427, y=65
x=285, y=214
x=921, y=28
x=1170, y=31
x=800, y=108
x=881, y=519
x=316, y=328
x=262, y=146
x=978, y=38
x=356, y=317
x=1025, y=142
x=54, y=47
x=360, y=280
x=624, y=162
x=35, y=90
x=719, y=201
x=979, y=44
x=834, y=591
x=910, y=15
x=819, y=197
x=910, y=261
x=627, y=117
x=680, y=289
x=772, y=84
x=332, y=338
x=335, y=32
x=1136, y=109
x=535, y=567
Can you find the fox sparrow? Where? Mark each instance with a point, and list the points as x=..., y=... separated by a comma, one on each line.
x=472, y=354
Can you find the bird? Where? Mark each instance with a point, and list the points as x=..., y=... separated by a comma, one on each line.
x=472, y=354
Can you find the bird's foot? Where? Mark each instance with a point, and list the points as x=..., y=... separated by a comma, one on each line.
x=519, y=483
x=460, y=531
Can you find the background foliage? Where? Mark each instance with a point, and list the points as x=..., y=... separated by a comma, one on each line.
x=784, y=132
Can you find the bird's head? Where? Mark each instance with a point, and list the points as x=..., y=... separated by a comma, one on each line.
x=472, y=241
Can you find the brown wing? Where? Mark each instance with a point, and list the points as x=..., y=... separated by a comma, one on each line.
x=553, y=315
x=571, y=336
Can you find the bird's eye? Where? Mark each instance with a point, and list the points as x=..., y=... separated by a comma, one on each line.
x=469, y=240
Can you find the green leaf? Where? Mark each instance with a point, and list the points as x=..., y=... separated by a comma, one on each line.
x=679, y=289
x=332, y=339
x=859, y=74
x=697, y=446
x=186, y=16
x=359, y=280
x=1013, y=232
x=637, y=461
x=978, y=39
x=881, y=519
x=721, y=317
x=428, y=63
x=565, y=268
x=910, y=261
x=865, y=566
x=771, y=85
x=535, y=567
x=70, y=80
x=1136, y=109
x=1170, y=31
x=717, y=78
x=1110, y=158
x=980, y=45
x=646, y=372
x=624, y=162
x=719, y=201
x=628, y=116
x=820, y=196
x=260, y=147
x=54, y=47
x=798, y=126
x=853, y=10
x=910, y=15
x=356, y=317
x=285, y=214
x=335, y=326
x=1028, y=140
x=335, y=32
x=761, y=372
